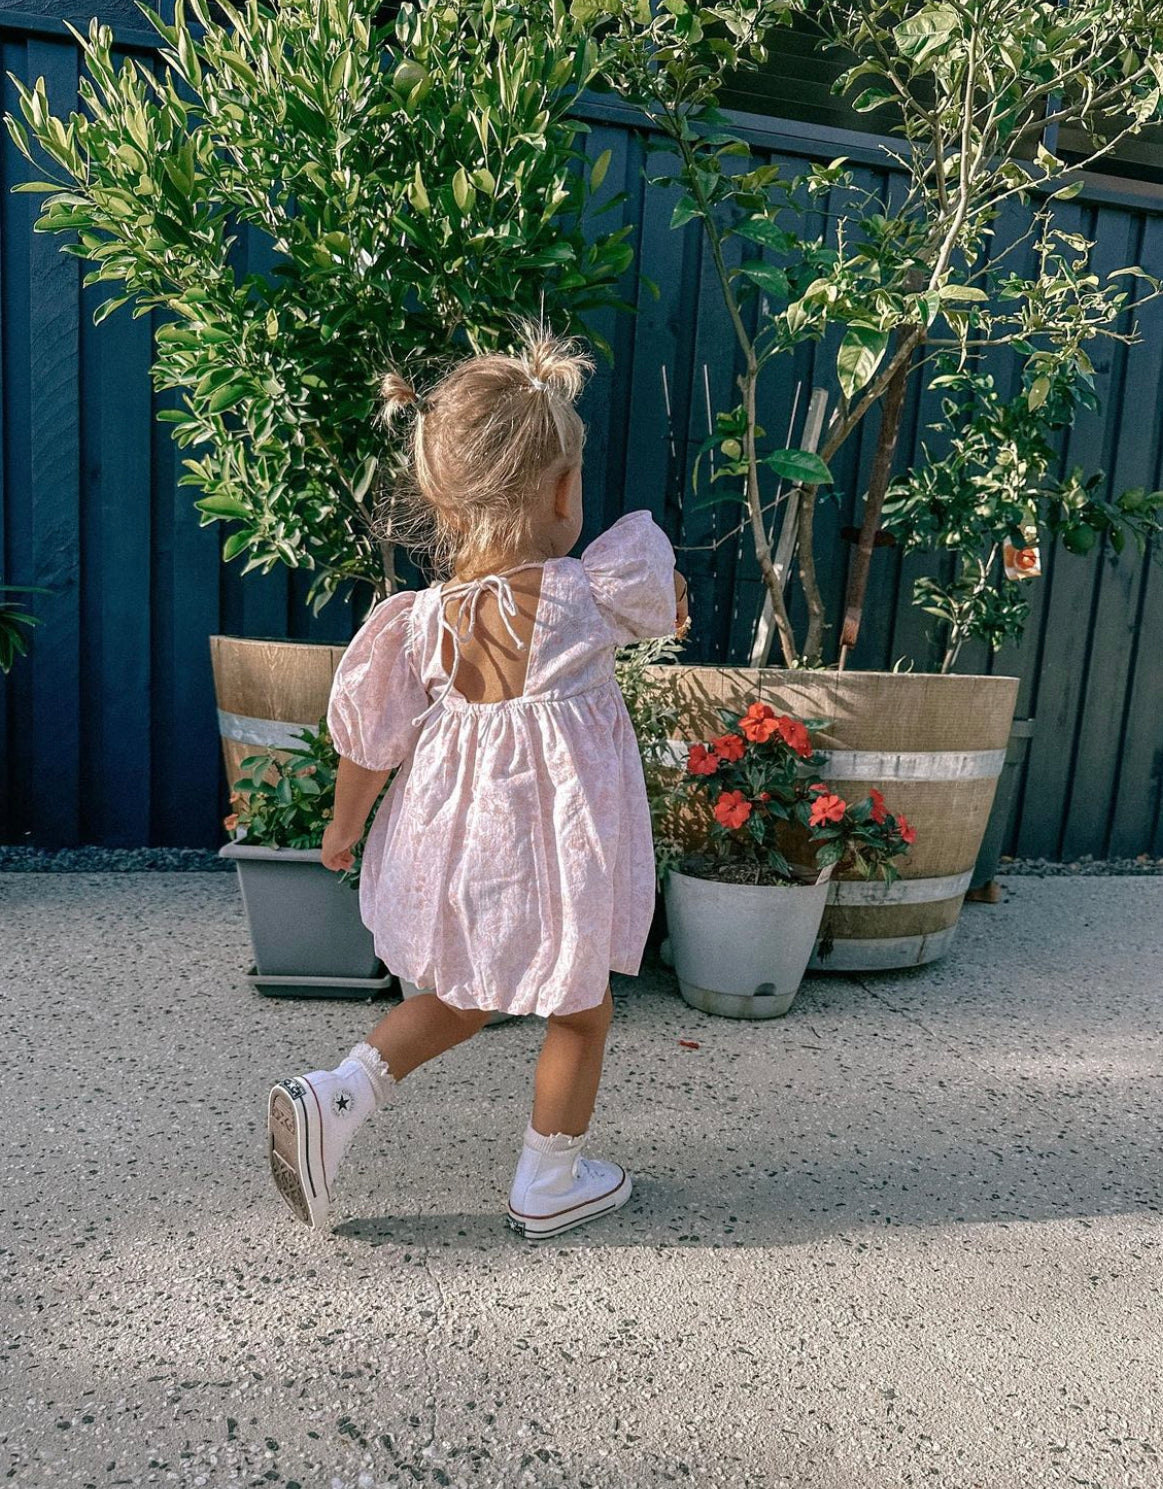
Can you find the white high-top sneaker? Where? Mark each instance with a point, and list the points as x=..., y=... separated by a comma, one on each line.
x=311, y=1120
x=555, y=1188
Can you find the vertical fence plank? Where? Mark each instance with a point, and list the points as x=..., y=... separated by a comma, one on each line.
x=117, y=575
x=53, y=473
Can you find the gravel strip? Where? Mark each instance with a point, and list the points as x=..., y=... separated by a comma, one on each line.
x=92, y=859
x=1040, y=868
x=16, y=859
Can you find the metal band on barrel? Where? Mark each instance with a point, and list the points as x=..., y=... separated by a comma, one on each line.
x=278, y=734
x=868, y=954
x=903, y=892
x=890, y=765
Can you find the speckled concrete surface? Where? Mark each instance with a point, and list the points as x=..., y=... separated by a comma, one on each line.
x=909, y=1235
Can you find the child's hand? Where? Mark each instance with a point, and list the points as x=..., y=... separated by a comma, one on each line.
x=682, y=617
x=336, y=851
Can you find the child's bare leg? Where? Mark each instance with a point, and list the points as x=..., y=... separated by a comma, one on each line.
x=569, y=1069
x=422, y=1027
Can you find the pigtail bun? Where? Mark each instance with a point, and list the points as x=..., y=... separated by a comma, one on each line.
x=560, y=363
x=396, y=394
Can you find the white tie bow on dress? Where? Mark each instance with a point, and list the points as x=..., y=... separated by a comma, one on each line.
x=474, y=589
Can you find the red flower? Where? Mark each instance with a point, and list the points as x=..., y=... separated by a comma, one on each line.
x=729, y=747
x=909, y=834
x=765, y=796
x=827, y=809
x=819, y=786
x=758, y=723
x=879, y=813
x=795, y=735
x=732, y=809
x=701, y=761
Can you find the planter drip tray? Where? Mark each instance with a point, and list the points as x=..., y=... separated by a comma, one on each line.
x=365, y=988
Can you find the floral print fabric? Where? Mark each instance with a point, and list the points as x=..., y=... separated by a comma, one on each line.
x=510, y=864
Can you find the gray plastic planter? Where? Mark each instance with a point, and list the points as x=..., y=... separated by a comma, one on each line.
x=304, y=923
x=740, y=950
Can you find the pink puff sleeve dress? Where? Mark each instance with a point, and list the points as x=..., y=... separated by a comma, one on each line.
x=510, y=864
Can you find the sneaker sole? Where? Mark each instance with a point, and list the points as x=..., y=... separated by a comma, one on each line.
x=544, y=1227
x=294, y=1128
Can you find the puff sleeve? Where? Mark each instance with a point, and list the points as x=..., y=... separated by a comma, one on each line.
x=376, y=691
x=630, y=568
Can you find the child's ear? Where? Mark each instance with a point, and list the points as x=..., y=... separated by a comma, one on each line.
x=561, y=490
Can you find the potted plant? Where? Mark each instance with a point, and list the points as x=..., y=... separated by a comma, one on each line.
x=305, y=926
x=398, y=214
x=968, y=250
x=744, y=911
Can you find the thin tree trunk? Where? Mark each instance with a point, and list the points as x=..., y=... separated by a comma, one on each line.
x=767, y=568
x=891, y=411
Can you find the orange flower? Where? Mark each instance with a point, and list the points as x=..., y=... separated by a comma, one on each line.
x=908, y=833
x=827, y=809
x=879, y=811
x=729, y=747
x=758, y=723
x=231, y=822
x=732, y=809
x=701, y=761
x=795, y=735
x=819, y=786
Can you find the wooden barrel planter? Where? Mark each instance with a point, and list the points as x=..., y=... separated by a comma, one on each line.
x=266, y=691
x=935, y=745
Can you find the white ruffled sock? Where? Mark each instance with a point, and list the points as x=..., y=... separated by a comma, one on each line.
x=365, y=1062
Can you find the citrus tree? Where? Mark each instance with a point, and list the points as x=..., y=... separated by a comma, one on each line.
x=406, y=186
x=976, y=90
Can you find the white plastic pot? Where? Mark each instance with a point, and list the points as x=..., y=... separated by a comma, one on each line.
x=740, y=950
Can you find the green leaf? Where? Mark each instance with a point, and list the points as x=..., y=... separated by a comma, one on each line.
x=859, y=356
x=601, y=166
x=223, y=505
x=831, y=852
x=872, y=98
x=462, y=191
x=226, y=397
x=767, y=276
x=684, y=209
x=926, y=32
x=763, y=230
x=1039, y=392
x=802, y=466
x=959, y=293
x=417, y=195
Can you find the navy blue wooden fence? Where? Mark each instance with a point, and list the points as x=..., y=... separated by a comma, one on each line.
x=108, y=729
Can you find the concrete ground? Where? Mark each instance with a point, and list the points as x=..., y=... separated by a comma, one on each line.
x=908, y=1235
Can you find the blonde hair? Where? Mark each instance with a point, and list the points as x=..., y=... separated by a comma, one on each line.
x=482, y=442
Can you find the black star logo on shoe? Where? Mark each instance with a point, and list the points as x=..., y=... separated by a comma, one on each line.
x=342, y=1101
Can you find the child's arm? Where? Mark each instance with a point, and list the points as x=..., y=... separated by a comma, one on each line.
x=355, y=791
x=682, y=613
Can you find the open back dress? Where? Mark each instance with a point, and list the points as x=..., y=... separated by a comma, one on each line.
x=510, y=864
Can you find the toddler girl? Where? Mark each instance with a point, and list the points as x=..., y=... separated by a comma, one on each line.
x=510, y=865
